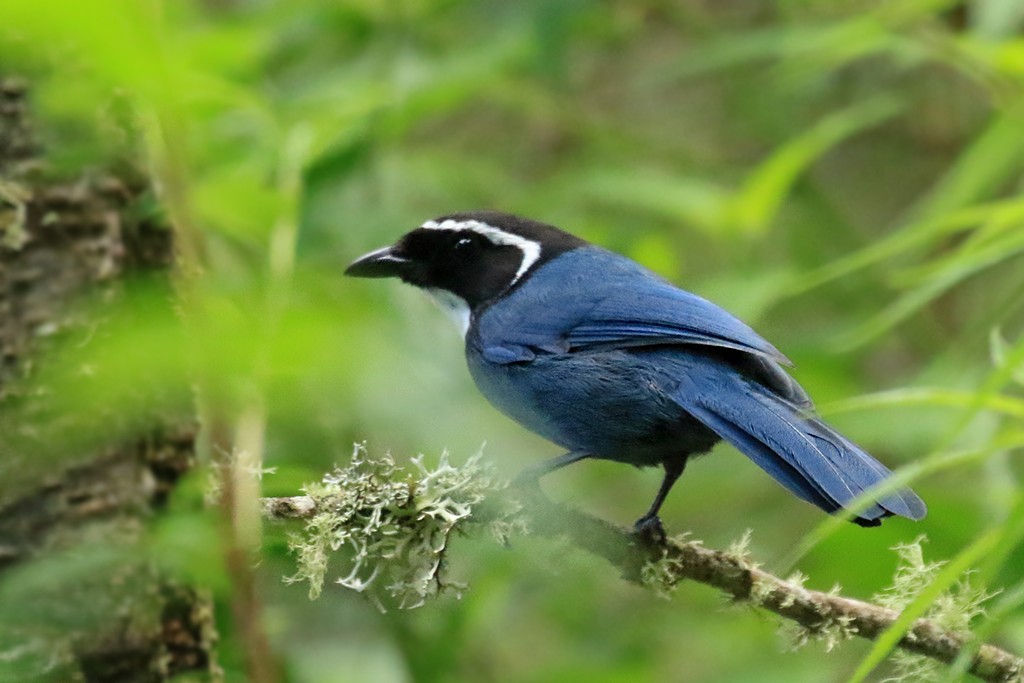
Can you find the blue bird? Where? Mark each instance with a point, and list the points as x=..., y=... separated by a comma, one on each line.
x=606, y=359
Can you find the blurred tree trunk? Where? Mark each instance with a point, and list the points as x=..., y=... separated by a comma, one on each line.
x=59, y=241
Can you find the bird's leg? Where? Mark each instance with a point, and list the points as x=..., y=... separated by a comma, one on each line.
x=650, y=523
x=535, y=472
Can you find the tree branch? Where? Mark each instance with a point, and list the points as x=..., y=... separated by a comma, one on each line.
x=674, y=560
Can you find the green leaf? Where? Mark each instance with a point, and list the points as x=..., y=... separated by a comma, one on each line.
x=765, y=190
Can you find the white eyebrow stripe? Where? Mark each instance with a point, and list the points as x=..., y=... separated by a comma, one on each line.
x=531, y=250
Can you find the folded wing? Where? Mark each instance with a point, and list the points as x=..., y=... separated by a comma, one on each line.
x=628, y=307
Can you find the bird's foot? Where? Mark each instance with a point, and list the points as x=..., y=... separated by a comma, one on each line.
x=649, y=529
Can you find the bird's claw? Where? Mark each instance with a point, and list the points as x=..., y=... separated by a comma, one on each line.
x=650, y=530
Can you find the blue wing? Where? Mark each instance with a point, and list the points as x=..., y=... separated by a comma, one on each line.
x=628, y=307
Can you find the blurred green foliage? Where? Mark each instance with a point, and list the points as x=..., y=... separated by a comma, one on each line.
x=844, y=174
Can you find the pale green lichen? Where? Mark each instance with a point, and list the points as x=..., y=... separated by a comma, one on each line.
x=509, y=520
x=830, y=632
x=953, y=610
x=760, y=591
x=740, y=550
x=663, y=574
x=833, y=628
x=395, y=525
x=796, y=581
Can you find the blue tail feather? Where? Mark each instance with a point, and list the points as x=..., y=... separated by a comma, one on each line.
x=798, y=450
x=902, y=502
x=781, y=470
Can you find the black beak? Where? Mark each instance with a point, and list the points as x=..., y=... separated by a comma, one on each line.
x=380, y=263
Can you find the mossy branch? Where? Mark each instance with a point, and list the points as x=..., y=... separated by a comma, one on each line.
x=655, y=562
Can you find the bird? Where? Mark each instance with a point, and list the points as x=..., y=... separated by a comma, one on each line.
x=610, y=361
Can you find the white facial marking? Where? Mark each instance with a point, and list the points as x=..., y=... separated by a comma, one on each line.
x=455, y=306
x=530, y=249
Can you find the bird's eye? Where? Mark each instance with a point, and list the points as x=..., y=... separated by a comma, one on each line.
x=464, y=243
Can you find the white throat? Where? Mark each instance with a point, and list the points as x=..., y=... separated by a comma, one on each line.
x=530, y=249
x=452, y=304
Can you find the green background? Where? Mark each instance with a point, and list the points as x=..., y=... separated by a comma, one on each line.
x=844, y=175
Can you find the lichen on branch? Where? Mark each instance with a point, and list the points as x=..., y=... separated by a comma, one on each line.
x=388, y=527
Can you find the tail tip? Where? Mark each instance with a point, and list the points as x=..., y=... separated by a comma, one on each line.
x=905, y=504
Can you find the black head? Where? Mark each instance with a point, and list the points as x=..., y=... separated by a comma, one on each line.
x=475, y=256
